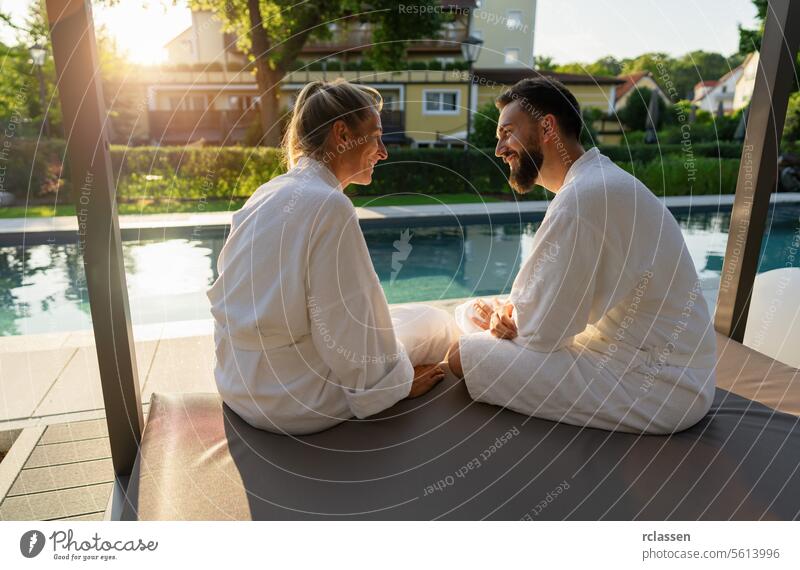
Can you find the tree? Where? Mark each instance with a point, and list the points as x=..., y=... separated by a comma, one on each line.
x=750, y=39
x=543, y=63
x=791, y=130
x=484, y=126
x=273, y=32
x=19, y=90
x=604, y=66
x=683, y=72
x=634, y=114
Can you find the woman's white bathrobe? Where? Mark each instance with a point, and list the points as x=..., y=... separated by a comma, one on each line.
x=304, y=336
x=614, y=332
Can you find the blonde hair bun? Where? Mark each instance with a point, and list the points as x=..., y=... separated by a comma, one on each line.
x=318, y=106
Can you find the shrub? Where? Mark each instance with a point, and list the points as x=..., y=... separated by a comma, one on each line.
x=674, y=176
x=32, y=170
x=648, y=152
x=484, y=126
x=189, y=173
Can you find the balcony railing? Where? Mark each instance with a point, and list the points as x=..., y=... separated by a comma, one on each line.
x=176, y=127
x=215, y=126
x=357, y=38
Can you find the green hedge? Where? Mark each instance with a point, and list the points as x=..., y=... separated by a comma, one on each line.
x=649, y=152
x=34, y=171
x=675, y=176
x=31, y=168
x=193, y=173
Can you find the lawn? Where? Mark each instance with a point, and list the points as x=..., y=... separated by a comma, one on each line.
x=197, y=207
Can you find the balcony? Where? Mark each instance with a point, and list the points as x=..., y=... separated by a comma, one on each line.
x=229, y=127
x=213, y=126
x=358, y=38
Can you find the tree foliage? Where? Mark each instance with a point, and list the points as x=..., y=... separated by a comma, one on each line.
x=750, y=38
x=634, y=114
x=273, y=33
x=607, y=65
x=484, y=126
x=682, y=72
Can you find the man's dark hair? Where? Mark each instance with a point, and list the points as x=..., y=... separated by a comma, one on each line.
x=540, y=96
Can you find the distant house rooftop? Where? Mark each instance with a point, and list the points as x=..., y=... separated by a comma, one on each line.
x=630, y=81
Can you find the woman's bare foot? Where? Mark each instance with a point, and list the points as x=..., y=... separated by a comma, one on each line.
x=426, y=376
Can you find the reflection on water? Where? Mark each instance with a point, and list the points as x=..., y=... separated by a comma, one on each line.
x=42, y=287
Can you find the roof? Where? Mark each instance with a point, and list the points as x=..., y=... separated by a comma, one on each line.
x=706, y=83
x=177, y=37
x=630, y=81
x=510, y=76
x=739, y=67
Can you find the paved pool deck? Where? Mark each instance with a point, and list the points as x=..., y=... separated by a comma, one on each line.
x=54, y=378
x=39, y=230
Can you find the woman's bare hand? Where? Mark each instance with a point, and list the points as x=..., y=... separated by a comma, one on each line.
x=501, y=323
x=426, y=376
x=483, y=313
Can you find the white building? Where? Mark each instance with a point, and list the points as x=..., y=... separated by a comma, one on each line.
x=744, y=87
x=710, y=95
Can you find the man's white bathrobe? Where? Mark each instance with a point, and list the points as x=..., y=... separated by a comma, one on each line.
x=304, y=336
x=614, y=332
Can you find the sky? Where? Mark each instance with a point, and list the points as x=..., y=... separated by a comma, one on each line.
x=585, y=30
x=566, y=30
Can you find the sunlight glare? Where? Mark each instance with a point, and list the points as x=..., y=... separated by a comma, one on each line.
x=142, y=28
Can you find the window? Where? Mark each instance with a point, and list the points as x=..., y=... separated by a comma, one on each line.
x=197, y=102
x=440, y=102
x=514, y=19
x=240, y=102
x=512, y=56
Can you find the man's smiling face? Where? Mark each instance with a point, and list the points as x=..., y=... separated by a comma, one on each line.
x=518, y=146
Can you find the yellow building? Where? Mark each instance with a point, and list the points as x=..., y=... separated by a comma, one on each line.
x=206, y=93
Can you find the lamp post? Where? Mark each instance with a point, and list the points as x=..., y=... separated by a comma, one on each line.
x=470, y=50
x=38, y=55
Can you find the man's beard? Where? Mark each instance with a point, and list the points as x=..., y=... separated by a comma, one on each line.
x=523, y=178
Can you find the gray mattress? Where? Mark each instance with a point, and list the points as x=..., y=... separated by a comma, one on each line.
x=444, y=456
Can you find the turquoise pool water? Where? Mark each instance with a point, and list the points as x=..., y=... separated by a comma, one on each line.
x=42, y=287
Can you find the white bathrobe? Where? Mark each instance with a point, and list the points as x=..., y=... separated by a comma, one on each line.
x=304, y=336
x=614, y=332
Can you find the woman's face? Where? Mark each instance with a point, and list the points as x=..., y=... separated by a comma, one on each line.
x=359, y=150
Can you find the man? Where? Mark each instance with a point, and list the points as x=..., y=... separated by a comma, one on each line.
x=605, y=325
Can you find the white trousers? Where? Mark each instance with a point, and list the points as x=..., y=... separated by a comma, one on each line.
x=425, y=332
x=581, y=386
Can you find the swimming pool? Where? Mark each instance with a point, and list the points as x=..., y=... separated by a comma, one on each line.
x=42, y=287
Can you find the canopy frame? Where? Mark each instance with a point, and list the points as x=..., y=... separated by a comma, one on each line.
x=84, y=116
x=85, y=124
x=758, y=169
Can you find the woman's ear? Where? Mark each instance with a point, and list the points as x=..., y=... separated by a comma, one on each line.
x=340, y=132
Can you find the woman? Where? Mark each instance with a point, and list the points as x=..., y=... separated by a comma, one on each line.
x=304, y=336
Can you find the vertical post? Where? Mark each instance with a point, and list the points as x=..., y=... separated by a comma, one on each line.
x=80, y=90
x=43, y=101
x=758, y=170
x=469, y=106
